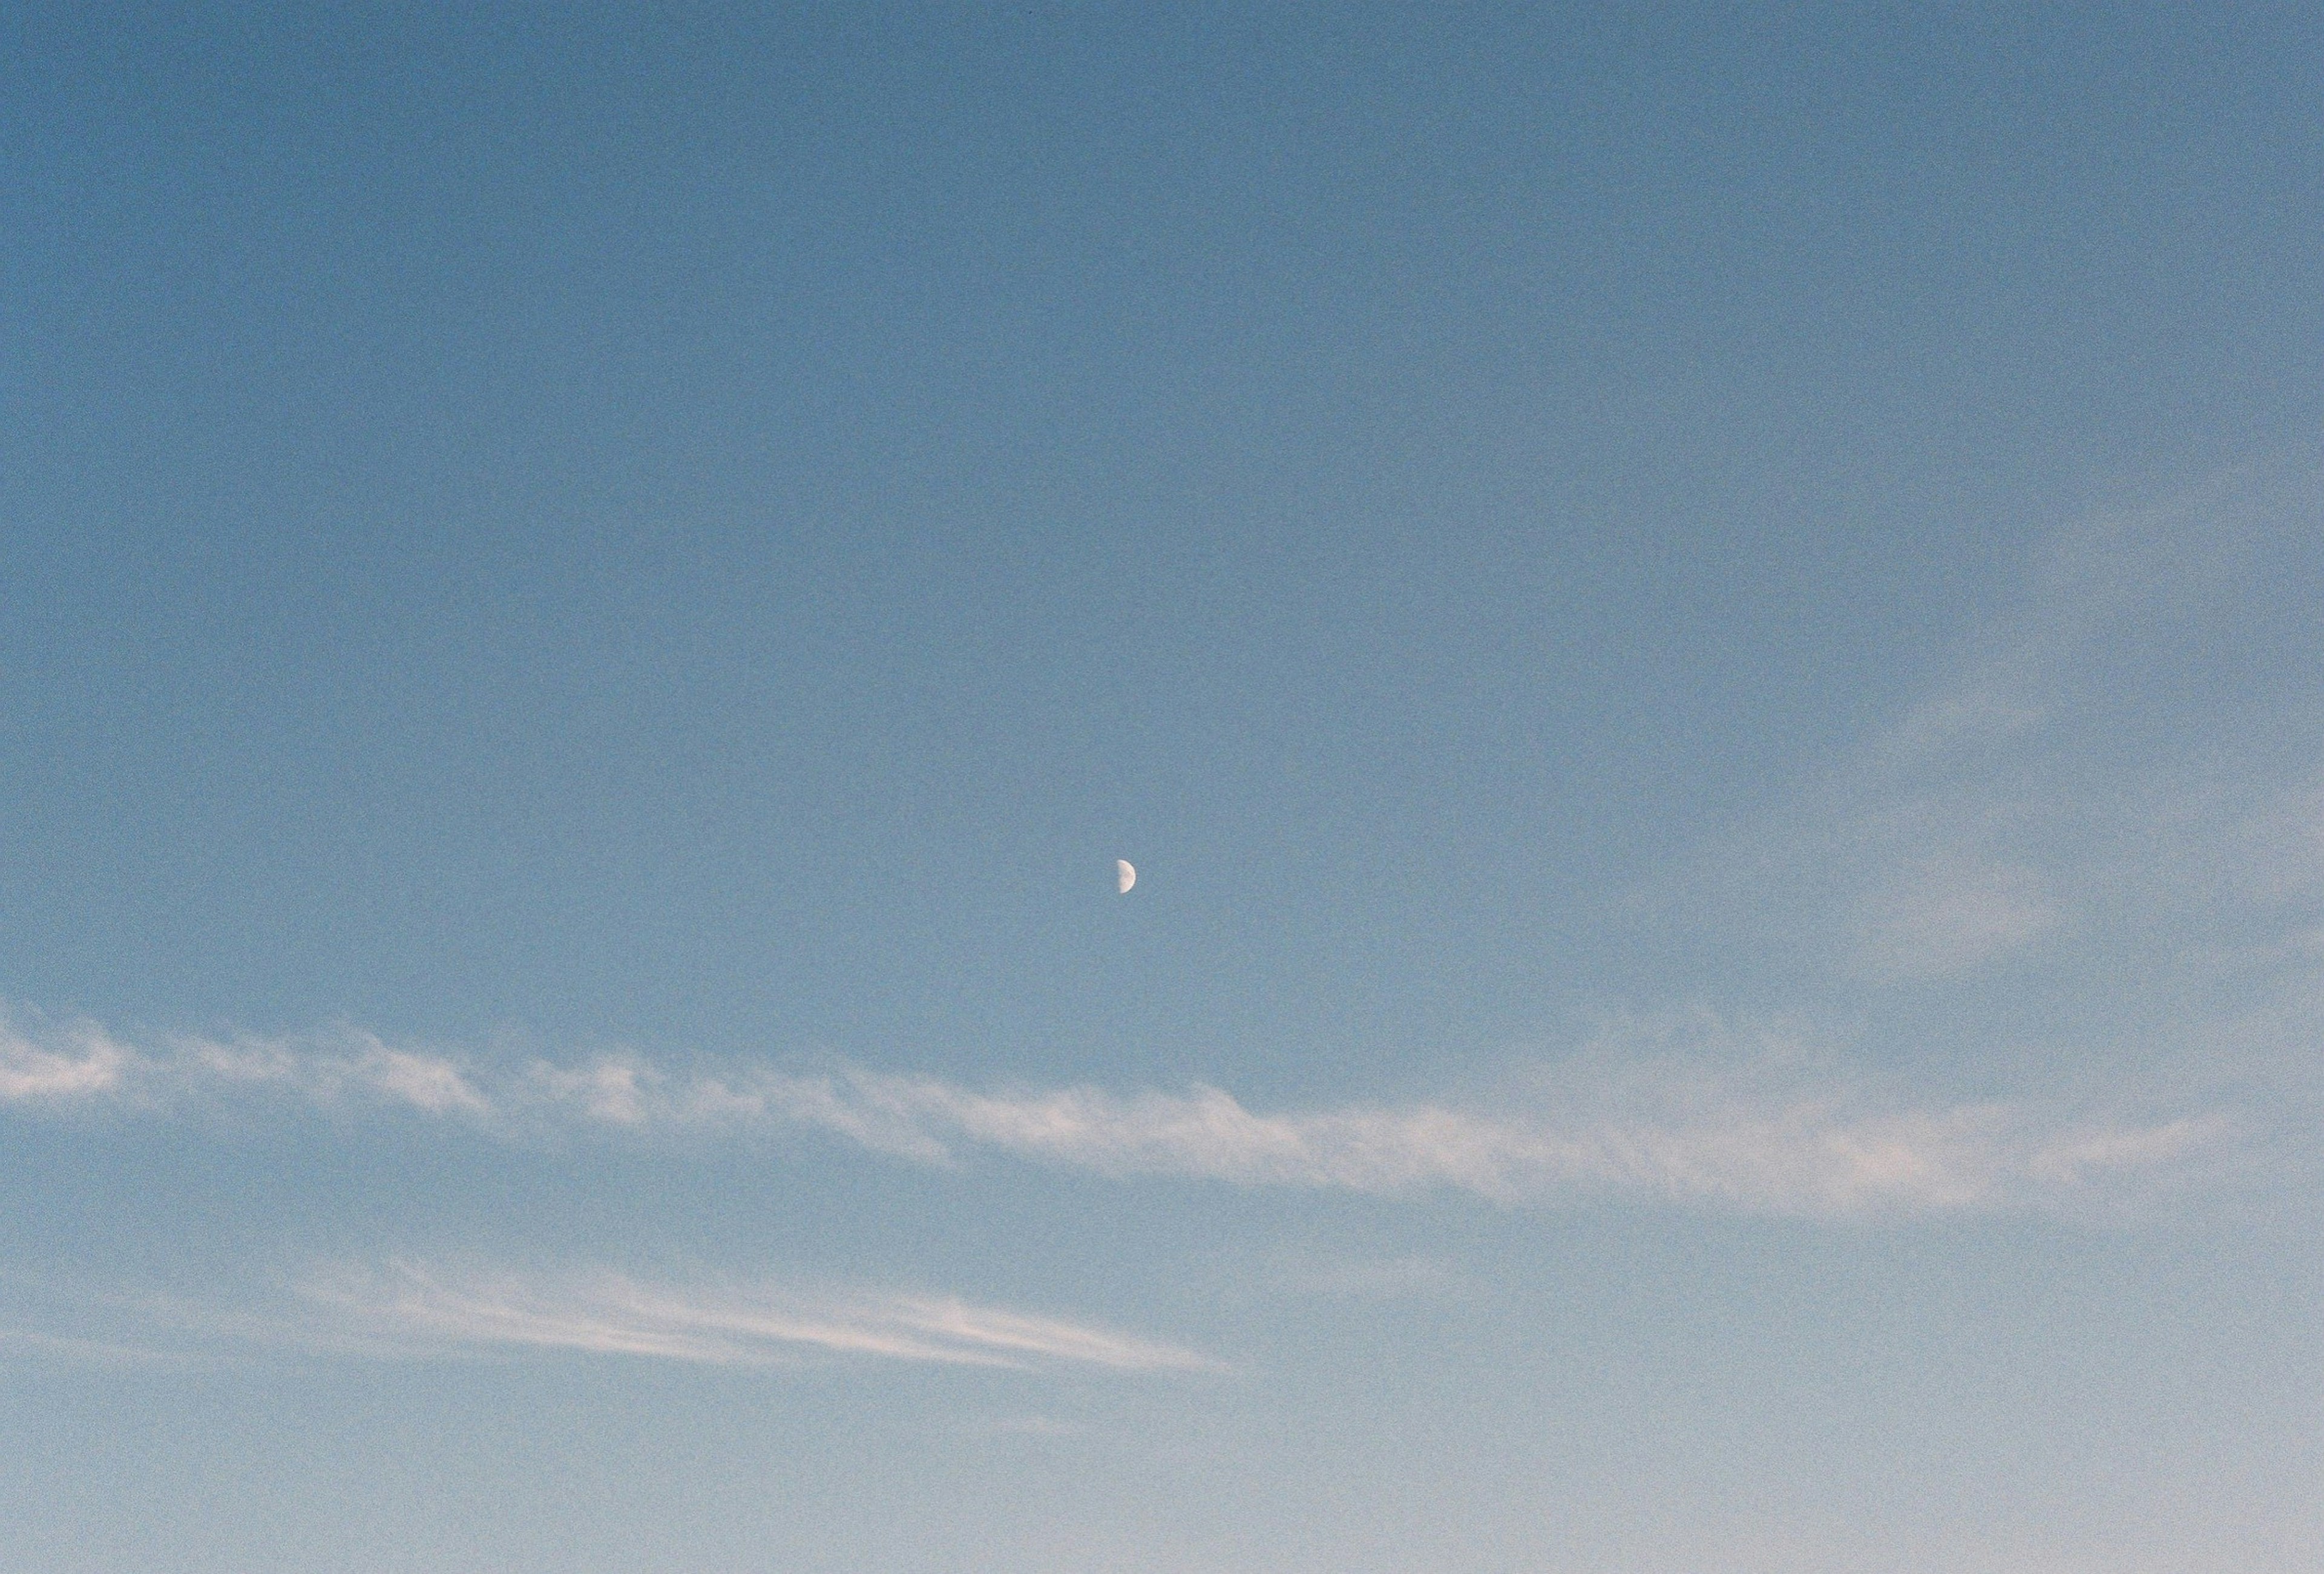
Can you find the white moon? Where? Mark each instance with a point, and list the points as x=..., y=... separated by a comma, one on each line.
x=1124, y=876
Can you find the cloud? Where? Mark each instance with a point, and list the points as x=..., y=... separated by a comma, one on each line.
x=2114, y=601
x=33, y=1343
x=2088, y=854
x=1026, y=1426
x=84, y=1062
x=1303, y=1272
x=1814, y=1155
x=424, y=1082
x=1684, y=1135
x=1944, y=915
x=77, y=1063
x=609, y=1314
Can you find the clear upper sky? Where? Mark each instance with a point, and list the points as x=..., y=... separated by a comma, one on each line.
x=1703, y=624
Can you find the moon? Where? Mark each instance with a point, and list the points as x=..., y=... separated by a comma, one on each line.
x=1124, y=876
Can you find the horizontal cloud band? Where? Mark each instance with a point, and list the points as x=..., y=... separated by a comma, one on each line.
x=1819, y=1155
x=411, y=1308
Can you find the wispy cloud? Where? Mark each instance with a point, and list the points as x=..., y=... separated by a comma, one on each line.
x=1814, y=1155
x=2092, y=846
x=406, y=1309
x=1941, y=915
x=605, y=1313
x=1026, y=1426
x=1304, y=1272
x=1682, y=1136
x=75, y=1063
x=344, y=1068
x=2105, y=601
x=21, y=1343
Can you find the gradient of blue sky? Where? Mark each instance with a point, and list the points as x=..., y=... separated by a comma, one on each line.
x=1702, y=628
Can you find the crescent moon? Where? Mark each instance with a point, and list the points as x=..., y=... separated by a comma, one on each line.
x=1124, y=876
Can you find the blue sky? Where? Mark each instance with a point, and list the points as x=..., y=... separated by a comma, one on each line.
x=1702, y=628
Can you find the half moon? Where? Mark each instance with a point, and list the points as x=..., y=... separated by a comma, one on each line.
x=1124, y=876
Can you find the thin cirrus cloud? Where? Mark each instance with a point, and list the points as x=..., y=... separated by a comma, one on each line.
x=1810, y=1155
x=1688, y=1140
x=1945, y=914
x=2105, y=784
x=411, y=1308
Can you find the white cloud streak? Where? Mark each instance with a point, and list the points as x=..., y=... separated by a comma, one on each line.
x=1815, y=1156
x=1714, y=1144
x=429, y=1310
x=349, y=1068
x=75, y=1063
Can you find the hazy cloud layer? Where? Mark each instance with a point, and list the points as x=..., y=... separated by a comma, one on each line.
x=1676, y=1133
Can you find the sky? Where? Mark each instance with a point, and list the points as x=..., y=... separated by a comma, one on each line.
x=1701, y=622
